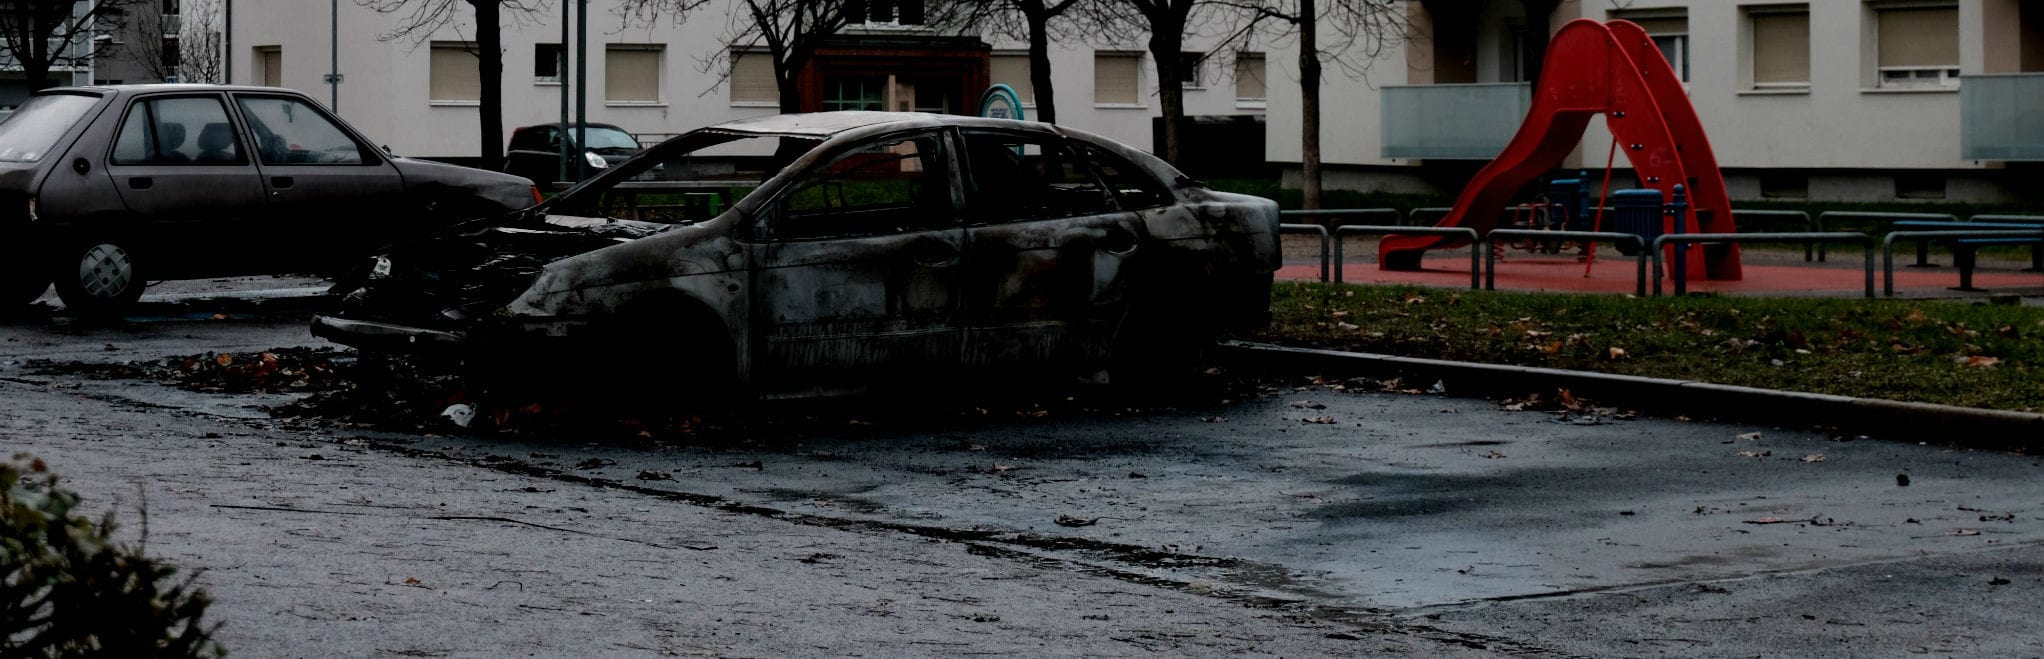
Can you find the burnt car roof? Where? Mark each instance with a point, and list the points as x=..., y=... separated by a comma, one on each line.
x=827, y=124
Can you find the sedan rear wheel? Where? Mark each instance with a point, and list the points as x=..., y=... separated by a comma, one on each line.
x=101, y=277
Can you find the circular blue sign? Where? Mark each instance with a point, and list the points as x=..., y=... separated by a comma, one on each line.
x=1001, y=102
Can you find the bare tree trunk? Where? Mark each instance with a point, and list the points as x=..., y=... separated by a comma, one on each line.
x=1167, y=46
x=1039, y=62
x=490, y=64
x=1309, y=102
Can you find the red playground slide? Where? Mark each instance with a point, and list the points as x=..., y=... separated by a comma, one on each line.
x=1615, y=70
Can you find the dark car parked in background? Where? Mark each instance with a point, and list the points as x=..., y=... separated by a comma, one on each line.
x=103, y=189
x=535, y=151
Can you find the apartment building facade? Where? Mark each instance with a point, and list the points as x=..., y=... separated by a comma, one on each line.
x=1828, y=100
x=421, y=95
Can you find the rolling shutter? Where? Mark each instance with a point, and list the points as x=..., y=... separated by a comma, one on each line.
x=631, y=74
x=1115, y=78
x=1249, y=77
x=454, y=75
x=752, y=78
x=1926, y=37
x=1781, y=48
x=1013, y=71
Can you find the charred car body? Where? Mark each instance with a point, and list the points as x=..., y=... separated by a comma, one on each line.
x=105, y=188
x=863, y=245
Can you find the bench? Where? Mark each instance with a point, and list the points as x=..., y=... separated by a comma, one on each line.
x=1965, y=249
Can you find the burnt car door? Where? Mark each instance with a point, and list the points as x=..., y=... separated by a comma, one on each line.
x=328, y=189
x=855, y=268
x=178, y=165
x=1048, y=252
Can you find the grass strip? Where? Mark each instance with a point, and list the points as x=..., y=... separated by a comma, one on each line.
x=1951, y=353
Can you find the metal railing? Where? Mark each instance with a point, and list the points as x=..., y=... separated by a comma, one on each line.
x=1809, y=251
x=1922, y=237
x=1426, y=216
x=1475, y=244
x=1825, y=219
x=1490, y=253
x=1362, y=215
x=2036, y=251
x=1313, y=229
x=1819, y=237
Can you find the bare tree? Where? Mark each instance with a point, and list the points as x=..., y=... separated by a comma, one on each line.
x=1035, y=18
x=1364, y=29
x=41, y=35
x=419, y=19
x=200, y=41
x=1168, y=23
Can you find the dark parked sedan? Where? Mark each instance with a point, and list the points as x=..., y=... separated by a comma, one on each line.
x=863, y=246
x=535, y=151
x=103, y=189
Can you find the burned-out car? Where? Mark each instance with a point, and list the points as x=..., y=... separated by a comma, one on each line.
x=103, y=189
x=862, y=246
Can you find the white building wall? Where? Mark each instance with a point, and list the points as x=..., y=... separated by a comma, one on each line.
x=387, y=82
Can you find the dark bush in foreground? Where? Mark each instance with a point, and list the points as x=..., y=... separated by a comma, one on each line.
x=67, y=589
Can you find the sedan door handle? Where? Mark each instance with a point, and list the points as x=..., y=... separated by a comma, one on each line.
x=281, y=182
x=141, y=182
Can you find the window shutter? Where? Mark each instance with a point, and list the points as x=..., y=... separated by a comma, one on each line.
x=1013, y=71
x=1115, y=76
x=631, y=75
x=454, y=75
x=1919, y=36
x=273, y=67
x=1249, y=76
x=1781, y=48
x=752, y=78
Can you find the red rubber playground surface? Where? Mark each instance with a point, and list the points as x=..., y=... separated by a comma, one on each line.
x=1525, y=272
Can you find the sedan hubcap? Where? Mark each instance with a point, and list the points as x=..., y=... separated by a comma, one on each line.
x=106, y=270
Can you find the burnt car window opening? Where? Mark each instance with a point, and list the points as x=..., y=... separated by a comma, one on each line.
x=1030, y=177
x=687, y=179
x=290, y=132
x=1135, y=188
x=184, y=130
x=889, y=186
x=28, y=134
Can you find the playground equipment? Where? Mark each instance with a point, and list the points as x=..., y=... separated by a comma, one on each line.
x=1615, y=70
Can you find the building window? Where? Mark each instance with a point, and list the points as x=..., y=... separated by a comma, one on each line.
x=884, y=12
x=854, y=94
x=631, y=73
x=1781, y=47
x=1784, y=185
x=453, y=74
x=1916, y=46
x=1670, y=32
x=1012, y=70
x=752, y=79
x=547, y=61
x=1249, y=87
x=1189, y=74
x=1116, y=77
x=172, y=54
x=269, y=66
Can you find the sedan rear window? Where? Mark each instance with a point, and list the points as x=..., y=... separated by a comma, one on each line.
x=610, y=138
x=28, y=134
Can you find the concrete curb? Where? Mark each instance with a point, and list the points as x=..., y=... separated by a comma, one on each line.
x=1871, y=416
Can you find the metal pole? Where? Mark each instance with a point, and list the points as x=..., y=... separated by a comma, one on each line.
x=333, y=74
x=227, y=43
x=561, y=72
x=581, y=82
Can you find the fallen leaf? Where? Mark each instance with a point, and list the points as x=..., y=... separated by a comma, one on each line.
x=1615, y=353
x=1308, y=405
x=1997, y=581
x=224, y=359
x=1493, y=455
x=1755, y=454
x=1068, y=520
x=1323, y=420
x=1750, y=435
x=1962, y=532
x=413, y=581
x=1770, y=520
x=1814, y=457
x=1981, y=361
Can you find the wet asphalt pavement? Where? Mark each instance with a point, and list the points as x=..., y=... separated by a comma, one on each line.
x=1289, y=519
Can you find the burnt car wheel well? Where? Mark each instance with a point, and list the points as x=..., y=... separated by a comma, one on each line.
x=687, y=343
